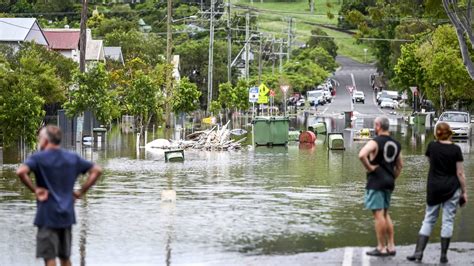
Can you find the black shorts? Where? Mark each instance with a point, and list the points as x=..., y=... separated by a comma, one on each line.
x=53, y=242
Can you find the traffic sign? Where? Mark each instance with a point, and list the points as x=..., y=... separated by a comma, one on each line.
x=284, y=88
x=253, y=94
x=263, y=92
x=272, y=93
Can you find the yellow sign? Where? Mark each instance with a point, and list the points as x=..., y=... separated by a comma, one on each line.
x=263, y=93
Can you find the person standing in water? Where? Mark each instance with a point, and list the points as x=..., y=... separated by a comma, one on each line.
x=56, y=171
x=382, y=159
x=446, y=189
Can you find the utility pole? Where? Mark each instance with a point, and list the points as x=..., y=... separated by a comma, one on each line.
x=169, y=51
x=290, y=37
x=210, y=67
x=260, y=59
x=247, y=46
x=169, y=35
x=229, y=44
x=83, y=38
x=273, y=55
x=280, y=55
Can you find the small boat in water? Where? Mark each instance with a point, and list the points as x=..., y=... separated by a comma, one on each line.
x=364, y=134
x=238, y=132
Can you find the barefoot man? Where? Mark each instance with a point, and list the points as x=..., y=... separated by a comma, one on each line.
x=55, y=171
x=382, y=159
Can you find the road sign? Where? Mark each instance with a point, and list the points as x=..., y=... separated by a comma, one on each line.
x=404, y=95
x=263, y=92
x=284, y=88
x=253, y=94
x=413, y=89
x=272, y=93
x=350, y=89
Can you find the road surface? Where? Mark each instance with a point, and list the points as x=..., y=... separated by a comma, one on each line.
x=357, y=75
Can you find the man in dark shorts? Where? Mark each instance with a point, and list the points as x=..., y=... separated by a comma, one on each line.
x=56, y=171
x=382, y=159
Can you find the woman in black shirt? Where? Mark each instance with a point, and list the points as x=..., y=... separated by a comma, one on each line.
x=446, y=189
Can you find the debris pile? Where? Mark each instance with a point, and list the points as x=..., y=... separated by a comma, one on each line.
x=212, y=139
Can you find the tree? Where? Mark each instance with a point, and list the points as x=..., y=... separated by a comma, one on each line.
x=319, y=56
x=149, y=47
x=21, y=108
x=144, y=99
x=326, y=43
x=446, y=75
x=93, y=93
x=186, y=96
x=460, y=15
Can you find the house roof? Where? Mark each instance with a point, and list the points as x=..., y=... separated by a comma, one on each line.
x=17, y=29
x=94, y=50
x=63, y=39
x=114, y=53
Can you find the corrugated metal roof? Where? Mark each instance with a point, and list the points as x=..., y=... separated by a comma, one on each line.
x=15, y=29
x=94, y=50
x=114, y=53
x=63, y=39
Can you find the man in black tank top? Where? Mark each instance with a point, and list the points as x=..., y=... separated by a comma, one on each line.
x=382, y=159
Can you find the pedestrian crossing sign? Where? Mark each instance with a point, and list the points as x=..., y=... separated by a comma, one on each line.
x=263, y=93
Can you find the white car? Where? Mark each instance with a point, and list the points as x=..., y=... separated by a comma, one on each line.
x=327, y=95
x=315, y=97
x=460, y=123
x=358, y=96
x=387, y=103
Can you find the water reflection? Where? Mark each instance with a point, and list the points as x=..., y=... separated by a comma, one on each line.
x=280, y=200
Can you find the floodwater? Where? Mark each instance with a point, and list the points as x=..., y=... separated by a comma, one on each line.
x=266, y=201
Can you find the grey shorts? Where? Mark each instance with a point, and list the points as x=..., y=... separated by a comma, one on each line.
x=52, y=243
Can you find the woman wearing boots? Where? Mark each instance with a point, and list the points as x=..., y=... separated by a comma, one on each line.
x=446, y=189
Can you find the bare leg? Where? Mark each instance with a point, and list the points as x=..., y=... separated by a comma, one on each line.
x=380, y=230
x=390, y=232
x=50, y=262
x=65, y=262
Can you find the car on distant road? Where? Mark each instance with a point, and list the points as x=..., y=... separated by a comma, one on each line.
x=327, y=95
x=358, y=96
x=387, y=103
x=315, y=97
x=460, y=123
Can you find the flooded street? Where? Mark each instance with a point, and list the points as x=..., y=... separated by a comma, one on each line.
x=267, y=201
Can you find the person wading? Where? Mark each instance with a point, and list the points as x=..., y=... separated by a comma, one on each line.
x=56, y=171
x=382, y=159
x=446, y=188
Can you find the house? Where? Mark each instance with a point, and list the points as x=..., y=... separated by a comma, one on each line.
x=14, y=31
x=114, y=53
x=94, y=50
x=64, y=41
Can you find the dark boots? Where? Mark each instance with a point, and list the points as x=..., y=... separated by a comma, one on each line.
x=420, y=247
x=444, y=250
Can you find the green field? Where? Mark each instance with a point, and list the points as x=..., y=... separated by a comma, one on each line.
x=273, y=19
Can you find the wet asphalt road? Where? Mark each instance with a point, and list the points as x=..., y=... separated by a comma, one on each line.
x=354, y=74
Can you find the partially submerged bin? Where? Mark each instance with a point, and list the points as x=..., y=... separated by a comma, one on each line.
x=99, y=134
x=271, y=130
x=336, y=141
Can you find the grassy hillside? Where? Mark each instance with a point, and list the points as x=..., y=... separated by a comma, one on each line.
x=273, y=18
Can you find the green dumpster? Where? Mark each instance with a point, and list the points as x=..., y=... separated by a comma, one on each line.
x=271, y=130
x=420, y=119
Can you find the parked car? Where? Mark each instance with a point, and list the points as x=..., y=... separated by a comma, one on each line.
x=315, y=97
x=358, y=96
x=460, y=123
x=327, y=95
x=387, y=103
x=379, y=101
